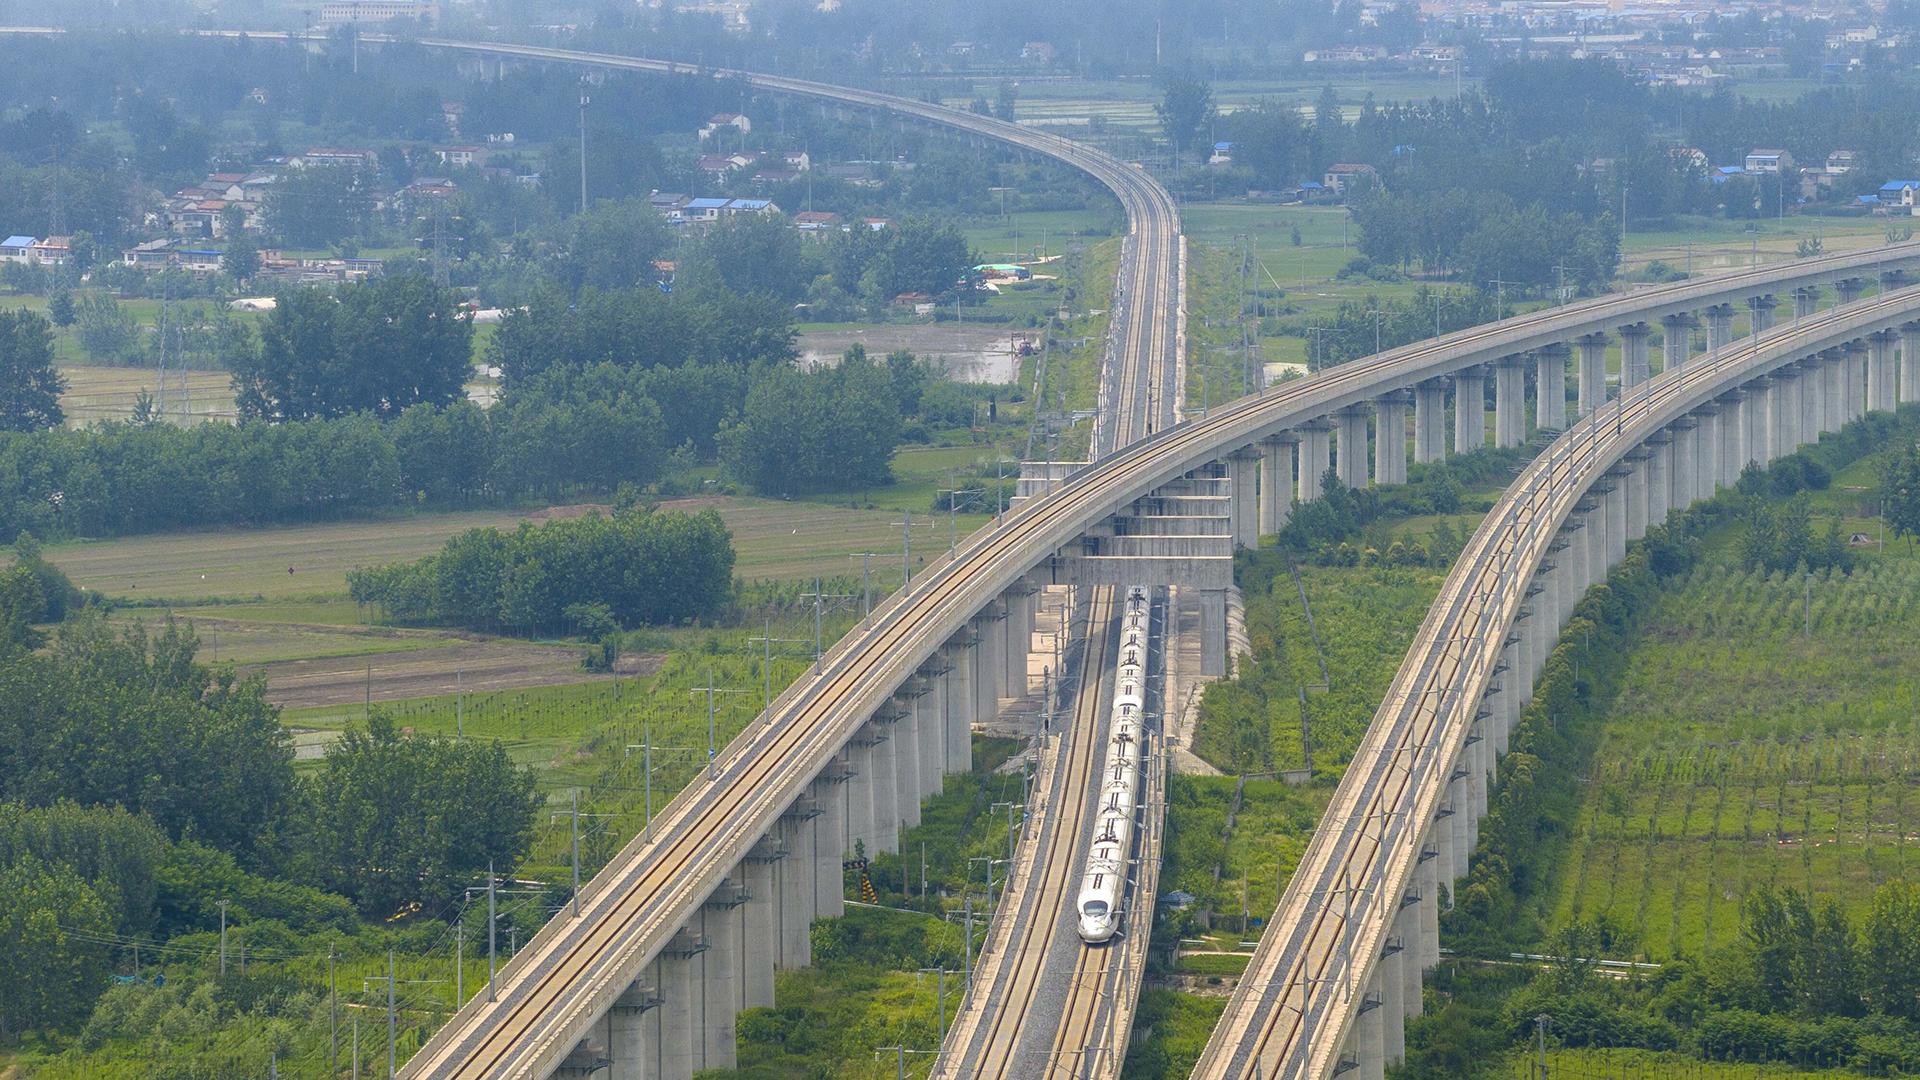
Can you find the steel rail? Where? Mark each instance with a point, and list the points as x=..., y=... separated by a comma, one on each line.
x=573, y=969
x=1277, y=1024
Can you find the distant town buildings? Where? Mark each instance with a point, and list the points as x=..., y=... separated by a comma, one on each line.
x=349, y=12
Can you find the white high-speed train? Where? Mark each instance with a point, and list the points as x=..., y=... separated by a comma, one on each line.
x=1104, y=880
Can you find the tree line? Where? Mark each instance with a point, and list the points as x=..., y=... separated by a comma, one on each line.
x=636, y=567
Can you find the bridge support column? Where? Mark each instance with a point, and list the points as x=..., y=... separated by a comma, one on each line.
x=1469, y=409
x=1719, y=326
x=1833, y=390
x=1779, y=403
x=1880, y=371
x=1591, y=351
x=885, y=789
x=1849, y=290
x=1636, y=484
x=990, y=664
x=829, y=842
x=859, y=789
x=959, y=695
x=1659, y=488
x=1676, y=342
x=1510, y=401
x=1430, y=421
x=1460, y=791
x=1370, y=1040
x=1760, y=312
x=1243, y=481
x=930, y=717
x=1550, y=382
x=1909, y=388
x=1021, y=602
x=1412, y=955
x=1593, y=540
x=1393, y=993
x=633, y=1029
x=1427, y=915
x=1316, y=457
x=1806, y=392
x=1707, y=447
x=1856, y=379
x=762, y=924
x=1733, y=429
x=1806, y=301
x=1213, y=632
x=1679, y=466
x=723, y=925
x=679, y=993
x=1390, y=438
x=1634, y=366
x=906, y=754
x=1276, y=483
x=794, y=886
x=1350, y=455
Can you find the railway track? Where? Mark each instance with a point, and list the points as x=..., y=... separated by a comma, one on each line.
x=572, y=971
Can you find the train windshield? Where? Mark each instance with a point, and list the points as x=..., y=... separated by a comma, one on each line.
x=1094, y=908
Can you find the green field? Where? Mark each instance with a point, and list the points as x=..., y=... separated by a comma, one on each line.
x=1611, y=1064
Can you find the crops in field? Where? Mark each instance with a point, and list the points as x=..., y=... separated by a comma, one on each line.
x=1765, y=734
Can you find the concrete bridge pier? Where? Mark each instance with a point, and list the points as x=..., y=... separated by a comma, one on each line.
x=1276, y=482
x=1833, y=391
x=1390, y=438
x=1371, y=1039
x=930, y=718
x=829, y=841
x=1617, y=514
x=633, y=1029
x=961, y=699
x=1636, y=485
x=794, y=887
x=1707, y=451
x=1213, y=632
x=1550, y=381
x=1719, y=326
x=1428, y=872
x=906, y=752
x=1591, y=352
x=1909, y=387
x=1760, y=312
x=1880, y=371
x=884, y=791
x=1806, y=392
x=1779, y=407
x=1243, y=506
x=1733, y=431
x=1316, y=457
x=1593, y=539
x=1676, y=341
x=1023, y=608
x=1510, y=401
x=679, y=994
x=1430, y=421
x=1406, y=930
x=1461, y=798
x=761, y=922
x=1635, y=367
x=723, y=925
x=859, y=787
x=1350, y=452
x=1806, y=301
x=1393, y=991
x=1847, y=290
x=989, y=661
x=1681, y=465
x=1469, y=409
x=1856, y=353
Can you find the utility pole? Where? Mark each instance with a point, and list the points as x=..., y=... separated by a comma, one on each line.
x=767, y=640
x=866, y=581
x=223, y=938
x=906, y=548
x=333, y=1015
x=1011, y=807
x=583, y=145
x=460, y=961
x=392, y=1031
x=940, y=993
x=1540, y=1030
x=492, y=926
x=713, y=746
x=573, y=815
x=819, y=598
x=953, y=509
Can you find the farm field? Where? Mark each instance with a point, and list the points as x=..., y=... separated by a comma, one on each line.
x=775, y=539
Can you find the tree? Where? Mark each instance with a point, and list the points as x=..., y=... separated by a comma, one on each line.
x=832, y=429
x=60, y=309
x=30, y=388
x=53, y=934
x=1003, y=101
x=241, y=260
x=403, y=819
x=1186, y=105
x=1900, y=490
x=106, y=331
x=613, y=246
x=316, y=207
x=1891, y=951
x=376, y=347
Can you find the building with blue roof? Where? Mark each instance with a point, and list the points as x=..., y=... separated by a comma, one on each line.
x=1899, y=193
x=16, y=249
